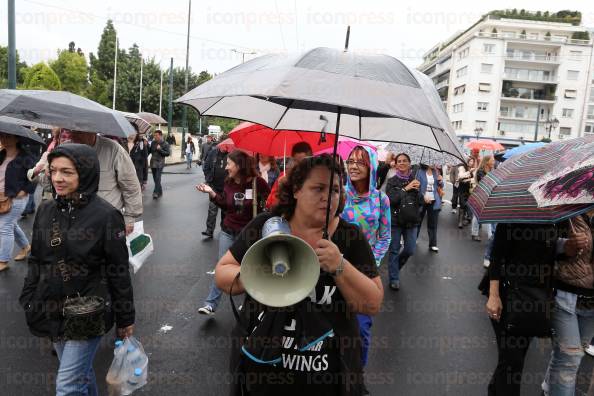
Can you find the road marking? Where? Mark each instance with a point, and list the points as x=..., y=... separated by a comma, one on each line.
x=165, y=328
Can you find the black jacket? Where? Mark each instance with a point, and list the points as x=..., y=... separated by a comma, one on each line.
x=214, y=169
x=93, y=236
x=139, y=158
x=395, y=192
x=158, y=154
x=15, y=179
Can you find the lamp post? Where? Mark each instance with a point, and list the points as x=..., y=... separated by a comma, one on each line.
x=477, y=132
x=243, y=54
x=550, y=125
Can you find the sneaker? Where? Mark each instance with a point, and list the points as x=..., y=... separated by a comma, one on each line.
x=486, y=263
x=434, y=249
x=155, y=195
x=211, y=272
x=476, y=238
x=206, y=310
x=395, y=285
x=207, y=234
x=454, y=211
x=590, y=350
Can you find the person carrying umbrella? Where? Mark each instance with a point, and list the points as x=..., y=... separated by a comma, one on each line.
x=369, y=209
x=15, y=188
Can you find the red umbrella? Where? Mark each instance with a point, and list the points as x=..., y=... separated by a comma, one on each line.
x=484, y=144
x=228, y=146
x=266, y=141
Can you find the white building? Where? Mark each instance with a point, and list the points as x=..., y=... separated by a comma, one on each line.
x=501, y=75
x=588, y=113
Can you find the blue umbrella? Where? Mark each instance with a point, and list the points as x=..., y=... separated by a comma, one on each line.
x=522, y=149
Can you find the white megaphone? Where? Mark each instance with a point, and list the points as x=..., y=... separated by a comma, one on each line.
x=280, y=269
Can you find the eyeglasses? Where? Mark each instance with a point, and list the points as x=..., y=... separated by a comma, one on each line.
x=354, y=162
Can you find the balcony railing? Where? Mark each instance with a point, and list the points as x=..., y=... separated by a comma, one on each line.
x=540, y=39
x=532, y=57
x=549, y=79
x=528, y=96
x=442, y=84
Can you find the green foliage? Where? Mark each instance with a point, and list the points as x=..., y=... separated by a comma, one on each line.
x=565, y=16
x=103, y=63
x=72, y=70
x=20, y=67
x=41, y=76
x=585, y=35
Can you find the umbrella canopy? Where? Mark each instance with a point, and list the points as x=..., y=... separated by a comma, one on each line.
x=484, y=144
x=228, y=145
x=502, y=196
x=524, y=148
x=366, y=97
x=423, y=155
x=11, y=128
x=260, y=139
x=65, y=110
x=572, y=180
x=142, y=125
x=345, y=147
x=28, y=124
x=152, y=118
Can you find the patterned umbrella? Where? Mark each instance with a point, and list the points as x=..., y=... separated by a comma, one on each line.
x=572, y=180
x=503, y=197
x=419, y=154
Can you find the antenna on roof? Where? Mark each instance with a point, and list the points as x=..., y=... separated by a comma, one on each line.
x=346, y=42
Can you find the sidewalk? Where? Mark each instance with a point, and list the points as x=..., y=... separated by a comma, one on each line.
x=175, y=157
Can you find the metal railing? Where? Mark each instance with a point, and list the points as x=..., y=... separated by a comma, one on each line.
x=542, y=39
x=549, y=79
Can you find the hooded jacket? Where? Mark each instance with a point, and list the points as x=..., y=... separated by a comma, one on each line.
x=93, y=243
x=370, y=211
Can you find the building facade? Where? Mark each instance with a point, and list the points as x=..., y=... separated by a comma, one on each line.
x=516, y=80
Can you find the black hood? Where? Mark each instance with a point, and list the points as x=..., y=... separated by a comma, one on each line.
x=86, y=163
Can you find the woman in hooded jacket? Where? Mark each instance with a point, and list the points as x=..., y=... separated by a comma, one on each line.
x=78, y=250
x=368, y=208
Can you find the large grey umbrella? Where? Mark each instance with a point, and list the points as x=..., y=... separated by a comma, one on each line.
x=368, y=97
x=11, y=128
x=152, y=118
x=423, y=155
x=65, y=110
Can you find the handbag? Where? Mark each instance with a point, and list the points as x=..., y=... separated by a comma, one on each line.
x=527, y=310
x=5, y=204
x=83, y=315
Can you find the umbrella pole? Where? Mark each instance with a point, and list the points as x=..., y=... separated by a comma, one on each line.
x=336, y=135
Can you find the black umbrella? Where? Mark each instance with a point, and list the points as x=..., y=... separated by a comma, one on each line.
x=10, y=128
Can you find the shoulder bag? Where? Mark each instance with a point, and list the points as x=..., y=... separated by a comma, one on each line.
x=83, y=315
x=5, y=204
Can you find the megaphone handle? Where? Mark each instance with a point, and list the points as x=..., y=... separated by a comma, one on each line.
x=234, y=309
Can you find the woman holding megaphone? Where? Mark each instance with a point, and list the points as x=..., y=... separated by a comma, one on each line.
x=312, y=347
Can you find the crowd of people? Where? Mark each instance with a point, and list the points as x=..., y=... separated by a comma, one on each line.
x=377, y=209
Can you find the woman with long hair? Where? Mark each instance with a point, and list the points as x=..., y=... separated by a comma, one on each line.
x=369, y=209
x=486, y=165
x=237, y=203
x=431, y=181
x=464, y=182
x=268, y=169
x=321, y=351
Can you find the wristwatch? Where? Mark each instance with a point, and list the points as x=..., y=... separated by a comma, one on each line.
x=340, y=269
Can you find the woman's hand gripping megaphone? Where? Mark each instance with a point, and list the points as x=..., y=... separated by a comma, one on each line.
x=329, y=255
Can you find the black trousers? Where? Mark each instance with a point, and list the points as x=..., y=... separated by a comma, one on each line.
x=511, y=353
x=157, y=172
x=455, y=198
x=211, y=220
x=432, y=216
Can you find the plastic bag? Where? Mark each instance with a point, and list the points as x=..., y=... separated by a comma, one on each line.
x=129, y=368
x=140, y=246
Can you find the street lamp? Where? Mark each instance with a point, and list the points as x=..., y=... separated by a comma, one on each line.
x=477, y=132
x=550, y=125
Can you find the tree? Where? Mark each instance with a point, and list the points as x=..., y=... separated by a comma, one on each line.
x=72, y=70
x=41, y=76
x=104, y=61
x=20, y=67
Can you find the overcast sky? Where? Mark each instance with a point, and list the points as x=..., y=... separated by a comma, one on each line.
x=404, y=29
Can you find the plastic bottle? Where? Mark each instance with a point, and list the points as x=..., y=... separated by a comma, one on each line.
x=114, y=378
x=136, y=370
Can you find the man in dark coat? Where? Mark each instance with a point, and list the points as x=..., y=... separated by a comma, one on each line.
x=215, y=174
x=159, y=150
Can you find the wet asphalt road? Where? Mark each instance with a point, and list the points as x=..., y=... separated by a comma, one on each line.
x=432, y=337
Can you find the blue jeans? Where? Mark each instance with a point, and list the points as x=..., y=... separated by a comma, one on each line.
x=573, y=328
x=365, y=324
x=10, y=231
x=30, y=208
x=75, y=374
x=491, y=227
x=189, y=160
x=214, y=296
x=398, y=258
